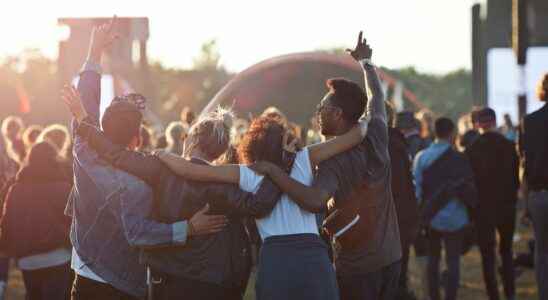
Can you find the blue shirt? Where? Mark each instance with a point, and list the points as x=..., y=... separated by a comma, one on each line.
x=454, y=216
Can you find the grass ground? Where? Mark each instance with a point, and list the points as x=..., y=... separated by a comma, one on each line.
x=472, y=286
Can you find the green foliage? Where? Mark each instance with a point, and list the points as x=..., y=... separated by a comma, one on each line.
x=447, y=95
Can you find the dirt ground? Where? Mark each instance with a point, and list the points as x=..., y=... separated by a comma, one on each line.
x=471, y=288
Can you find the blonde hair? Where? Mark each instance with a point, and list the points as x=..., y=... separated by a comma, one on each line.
x=58, y=135
x=174, y=133
x=211, y=133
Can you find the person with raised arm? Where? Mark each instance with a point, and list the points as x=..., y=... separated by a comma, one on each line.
x=362, y=221
x=294, y=262
x=110, y=209
x=215, y=266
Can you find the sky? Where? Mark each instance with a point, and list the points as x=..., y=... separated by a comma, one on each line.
x=431, y=35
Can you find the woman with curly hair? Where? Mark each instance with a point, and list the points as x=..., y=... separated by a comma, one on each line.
x=294, y=262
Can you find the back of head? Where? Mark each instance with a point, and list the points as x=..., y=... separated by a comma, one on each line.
x=274, y=112
x=31, y=134
x=41, y=164
x=444, y=128
x=263, y=141
x=58, y=135
x=211, y=134
x=348, y=96
x=122, y=122
x=486, y=118
x=406, y=120
x=12, y=126
x=174, y=134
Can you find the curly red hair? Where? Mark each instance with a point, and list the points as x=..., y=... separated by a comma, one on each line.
x=263, y=141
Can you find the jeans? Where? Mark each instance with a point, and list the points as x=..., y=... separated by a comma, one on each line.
x=87, y=289
x=51, y=283
x=505, y=226
x=378, y=285
x=453, y=247
x=538, y=210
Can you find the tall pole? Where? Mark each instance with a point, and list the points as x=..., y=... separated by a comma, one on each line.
x=520, y=40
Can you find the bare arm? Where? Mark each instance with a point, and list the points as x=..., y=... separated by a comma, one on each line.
x=311, y=198
x=188, y=170
x=324, y=151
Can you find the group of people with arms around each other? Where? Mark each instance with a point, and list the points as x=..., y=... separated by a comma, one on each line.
x=336, y=219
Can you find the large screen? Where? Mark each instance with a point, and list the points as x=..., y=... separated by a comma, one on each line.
x=503, y=84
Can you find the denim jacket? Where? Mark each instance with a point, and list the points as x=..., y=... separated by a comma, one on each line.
x=109, y=209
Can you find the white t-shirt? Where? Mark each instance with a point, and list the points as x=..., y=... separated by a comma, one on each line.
x=286, y=217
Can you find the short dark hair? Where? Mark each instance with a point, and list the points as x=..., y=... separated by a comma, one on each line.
x=485, y=116
x=444, y=128
x=349, y=97
x=122, y=122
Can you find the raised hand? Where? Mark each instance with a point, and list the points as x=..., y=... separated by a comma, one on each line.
x=201, y=223
x=72, y=100
x=102, y=36
x=362, y=50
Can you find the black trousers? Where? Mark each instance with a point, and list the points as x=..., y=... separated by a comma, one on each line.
x=174, y=287
x=48, y=283
x=378, y=285
x=487, y=230
x=87, y=289
x=453, y=249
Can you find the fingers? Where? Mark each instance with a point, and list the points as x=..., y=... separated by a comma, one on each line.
x=204, y=209
x=112, y=24
x=359, y=39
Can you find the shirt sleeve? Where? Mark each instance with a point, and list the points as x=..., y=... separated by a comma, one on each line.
x=327, y=178
x=180, y=232
x=249, y=180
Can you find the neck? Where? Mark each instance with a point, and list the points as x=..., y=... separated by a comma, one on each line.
x=343, y=129
x=197, y=153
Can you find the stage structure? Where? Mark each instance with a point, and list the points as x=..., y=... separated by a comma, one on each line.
x=125, y=65
x=295, y=84
x=497, y=78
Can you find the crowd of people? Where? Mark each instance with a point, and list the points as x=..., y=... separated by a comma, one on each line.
x=113, y=210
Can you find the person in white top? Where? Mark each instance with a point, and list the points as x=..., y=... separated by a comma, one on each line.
x=294, y=262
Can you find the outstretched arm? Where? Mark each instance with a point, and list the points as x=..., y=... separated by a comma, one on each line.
x=324, y=151
x=189, y=170
x=362, y=54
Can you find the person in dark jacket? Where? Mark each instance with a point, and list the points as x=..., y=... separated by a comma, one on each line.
x=495, y=163
x=409, y=126
x=209, y=267
x=35, y=230
x=533, y=145
x=403, y=191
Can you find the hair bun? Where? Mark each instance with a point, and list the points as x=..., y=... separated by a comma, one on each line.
x=226, y=115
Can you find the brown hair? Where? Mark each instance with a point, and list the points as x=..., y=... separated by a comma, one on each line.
x=263, y=141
